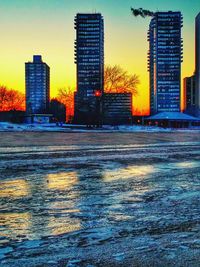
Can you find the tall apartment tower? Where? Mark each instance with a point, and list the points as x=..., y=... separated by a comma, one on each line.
x=164, y=61
x=37, y=86
x=197, y=61
x=89, y=59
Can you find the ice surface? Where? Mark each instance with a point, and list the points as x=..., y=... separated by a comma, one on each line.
x=97, y=205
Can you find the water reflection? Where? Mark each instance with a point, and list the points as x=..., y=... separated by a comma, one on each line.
x=15, y=225
x=61, y=208
x=88, y=196
x=187, y=164
x=61, y=181
x=56, y=203
x=128, y=172
x=39, y=205
x=102, y=204
x=14, y=189
x=63, y=225
x=93, y=200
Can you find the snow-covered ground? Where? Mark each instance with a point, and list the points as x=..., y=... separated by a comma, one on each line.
x=6, y=126
x=100, y=205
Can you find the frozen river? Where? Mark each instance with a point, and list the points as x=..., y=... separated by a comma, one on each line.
x=107, y=203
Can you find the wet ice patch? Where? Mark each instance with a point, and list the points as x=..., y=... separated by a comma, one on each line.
x=31, y=244
x=74, y=263
x=188, y=196
x=4, y=251
x=119, y=256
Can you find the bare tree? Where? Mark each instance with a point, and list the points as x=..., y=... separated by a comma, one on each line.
x=66, y=96
x=11, y=99
x=117, y=80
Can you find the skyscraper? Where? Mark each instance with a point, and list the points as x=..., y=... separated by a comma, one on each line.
x=37, y=86
x=89, y=59
x=164, y=61
x=197, y=61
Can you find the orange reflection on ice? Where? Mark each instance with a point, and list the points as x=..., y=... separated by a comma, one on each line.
x=128, y=173
x=15, y=223
x=14, y=189
x=61, y=225
x=62, y=180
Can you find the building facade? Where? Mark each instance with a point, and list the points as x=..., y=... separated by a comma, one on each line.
x=37, y=75
x=58, y=110
x=164, y=61
x=197, y=61
x=117, y=108
x=89, y=60
x=190, y=94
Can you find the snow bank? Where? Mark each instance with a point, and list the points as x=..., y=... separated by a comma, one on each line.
x=11, y=127
x=52, y=127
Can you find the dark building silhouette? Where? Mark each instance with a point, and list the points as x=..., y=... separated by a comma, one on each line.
x=37, y=86
x=89, y=59
x=190, y=94
x=15, y=116
x=58, y=110
x=164, y=61
x=197, y=62
x=117, y=108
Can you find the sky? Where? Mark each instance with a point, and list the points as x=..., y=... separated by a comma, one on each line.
x=46, y=27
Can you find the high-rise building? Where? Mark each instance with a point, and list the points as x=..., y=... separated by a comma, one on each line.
x=164, y=61
x=37, y=86
x=189, y=94
x=89, y=59
x=197, y=61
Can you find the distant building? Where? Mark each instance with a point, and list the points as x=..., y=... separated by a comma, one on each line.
x=189, y=94
x=89, y=59
x=15, y=116
x=37, y=86
x=164, y=61
x=117, y=108
x=58, y=110
x=172, y=120
x=197, y=61
x=38, y=118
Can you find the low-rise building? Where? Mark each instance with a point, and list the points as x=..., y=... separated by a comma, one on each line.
x=190, y=94
x=117, y=108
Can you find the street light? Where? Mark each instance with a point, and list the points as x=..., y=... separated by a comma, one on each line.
x=97, y=93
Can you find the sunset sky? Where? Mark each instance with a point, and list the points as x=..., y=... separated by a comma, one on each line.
x=46, y=27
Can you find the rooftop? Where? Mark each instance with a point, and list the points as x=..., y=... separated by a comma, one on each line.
x=176, y=116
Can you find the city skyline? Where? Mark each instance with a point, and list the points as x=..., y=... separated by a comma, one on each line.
x=47, y=29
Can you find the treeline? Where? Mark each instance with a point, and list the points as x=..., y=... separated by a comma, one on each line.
x=116, y=80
